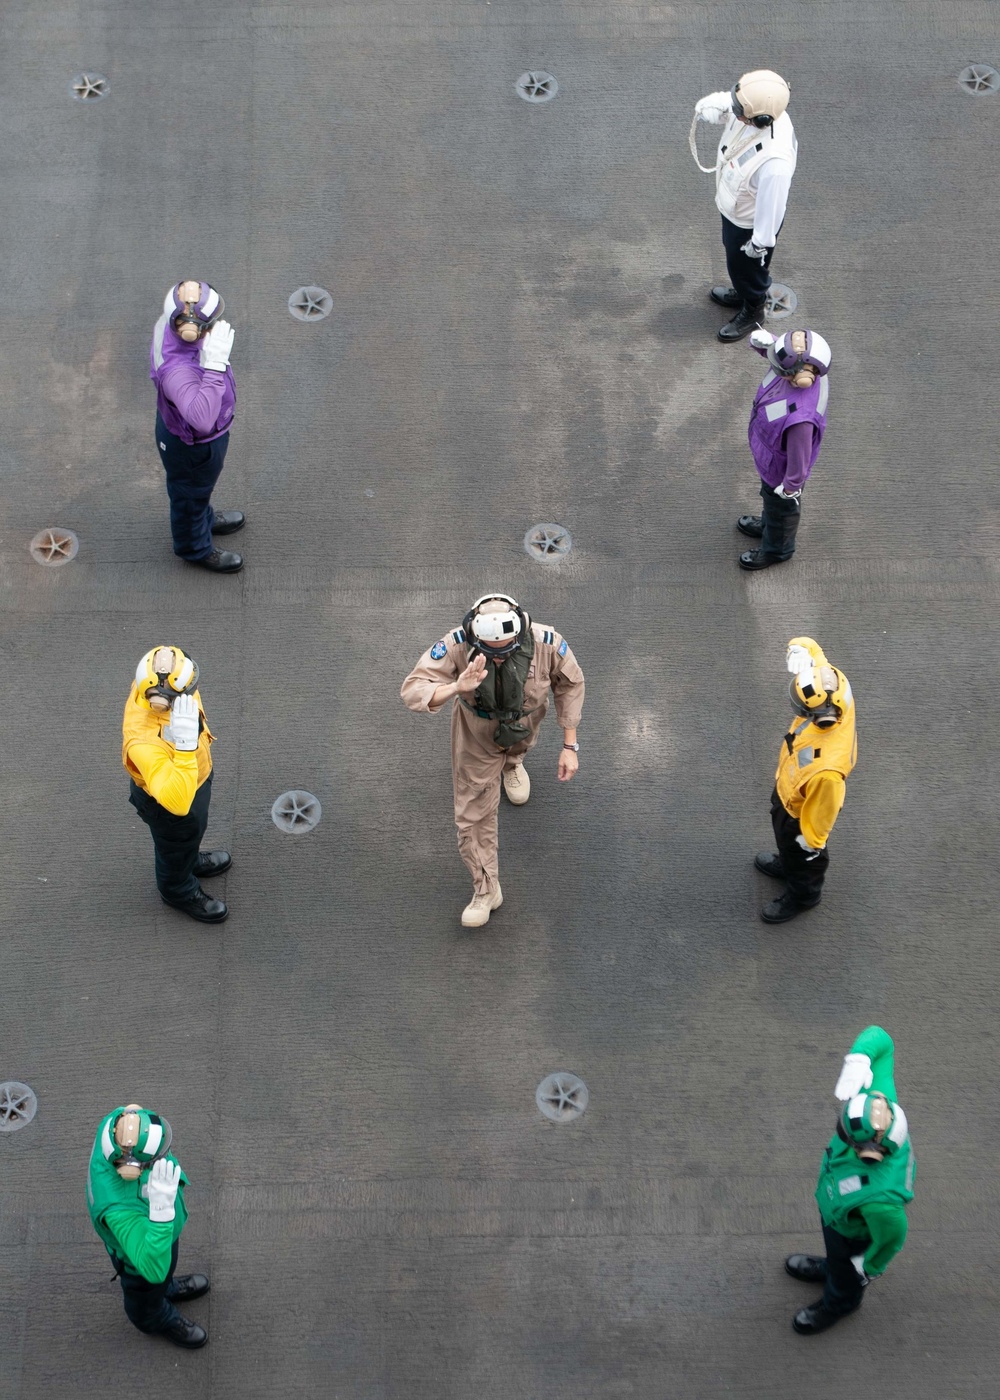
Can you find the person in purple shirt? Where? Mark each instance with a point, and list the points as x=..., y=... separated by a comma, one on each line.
x=195, y=401
x=787, y=424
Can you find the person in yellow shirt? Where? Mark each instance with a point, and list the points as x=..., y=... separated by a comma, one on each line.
x=817, y=754
x=166, y=746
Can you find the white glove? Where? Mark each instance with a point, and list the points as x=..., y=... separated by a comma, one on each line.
x=811, y=851
x=182, y=731
x=858, y=1260
x=749, y=248
x=217, y=347
x=787, y=495
x=855, y=1076
x=164, y=1180
x=714, y=108
x=761, y=339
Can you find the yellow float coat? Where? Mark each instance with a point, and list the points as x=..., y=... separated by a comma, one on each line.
x=812, y=773
x=171, y=778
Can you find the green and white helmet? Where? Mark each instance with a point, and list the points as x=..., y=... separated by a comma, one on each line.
x=133, y=1139
x=873, y=1125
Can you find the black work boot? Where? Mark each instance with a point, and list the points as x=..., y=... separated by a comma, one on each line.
x=806, y=1267
x=211, y=863
x=183, y=1333
x=189, y=1286
x=769, y=864
x=227, y=522
x=785, y=907
x=815, y=1318
x=757, y=559
x=747, y=319
x=752, y=525
x=201, y=906
x=220, y=561
x=726, y=296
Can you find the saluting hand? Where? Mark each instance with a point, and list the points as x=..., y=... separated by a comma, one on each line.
x=472, y=677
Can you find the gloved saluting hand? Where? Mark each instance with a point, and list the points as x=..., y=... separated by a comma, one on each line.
x=855, y=1076
x=761, y=339
x=217, y=346
x=182, y=731
x=164, y=1180
x=714, y=108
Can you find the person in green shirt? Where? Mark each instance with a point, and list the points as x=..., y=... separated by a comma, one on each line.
x=865, y=1183
x=135, y=1196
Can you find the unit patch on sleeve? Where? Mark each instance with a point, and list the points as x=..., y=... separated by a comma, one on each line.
x=563, y=647
x=438, y=650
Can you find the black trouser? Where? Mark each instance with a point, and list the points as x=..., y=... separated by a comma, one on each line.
x=750, y=278
x=803, y=873
x=176, y=840
x=192, y=471
x=781, y=523
x=147, y=1305
x=844, y=1287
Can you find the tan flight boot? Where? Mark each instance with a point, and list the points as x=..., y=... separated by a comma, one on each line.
x=479, y=908
x=517, y=785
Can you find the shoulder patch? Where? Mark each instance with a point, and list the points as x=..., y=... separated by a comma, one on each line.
x=563, y=647
x=459, y=635
x=548, y=637
x=438, y=650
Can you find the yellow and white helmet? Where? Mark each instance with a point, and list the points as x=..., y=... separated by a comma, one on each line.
x=157, y=690
x=818, y=691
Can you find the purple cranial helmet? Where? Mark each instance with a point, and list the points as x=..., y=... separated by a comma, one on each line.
x=787, y=360
x=190, y=319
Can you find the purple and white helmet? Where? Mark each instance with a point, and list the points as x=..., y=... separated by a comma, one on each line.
x=202, y=313
x=786, y=360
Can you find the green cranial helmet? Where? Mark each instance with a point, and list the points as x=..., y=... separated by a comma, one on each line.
x=873, y=1125
x=133, y=1139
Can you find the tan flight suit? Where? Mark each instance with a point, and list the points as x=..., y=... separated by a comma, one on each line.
x=476, y=762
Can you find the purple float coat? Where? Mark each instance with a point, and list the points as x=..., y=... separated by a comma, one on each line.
x=195, y=404
x=786, y=429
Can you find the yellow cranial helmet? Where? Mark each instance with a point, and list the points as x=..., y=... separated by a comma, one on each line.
x=157, y=690
x=818, y=691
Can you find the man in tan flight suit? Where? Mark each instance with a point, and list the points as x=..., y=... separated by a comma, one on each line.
x=499, y=667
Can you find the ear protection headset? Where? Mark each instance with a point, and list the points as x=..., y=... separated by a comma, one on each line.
x=803, y=366
x=872, y=1126
x=761, y=121
x=133, y=1139
x=764, y=97
x=159, y=689
x=191, y=319
x=507, y=627
x=821, y=694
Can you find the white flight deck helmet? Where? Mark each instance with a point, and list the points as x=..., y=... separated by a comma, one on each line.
x=760, y=97
x=502, y=620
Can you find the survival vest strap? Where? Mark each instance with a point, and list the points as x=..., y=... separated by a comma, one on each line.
x=501, y=695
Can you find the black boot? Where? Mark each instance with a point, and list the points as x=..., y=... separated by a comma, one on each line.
x=757, y=559
x=785, y=907
x=227, y=522
x=726, y=296
x=183, y=1333
x=220, y=561
x=807, y=1267
x=752, y=525
x=189, y=1286
x=201, y=906
x=815, y=1319
x=769, y=864
x=747, y=319
x=211, y=863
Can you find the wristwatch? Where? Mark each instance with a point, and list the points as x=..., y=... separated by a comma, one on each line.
x=574, y=747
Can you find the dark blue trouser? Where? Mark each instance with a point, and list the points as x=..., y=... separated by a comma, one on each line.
x=192, y=471
x=803, y=874
x=176, y=840
x=781, y=523
x=844, y=1288
x=750, y=278
x=147, y=1305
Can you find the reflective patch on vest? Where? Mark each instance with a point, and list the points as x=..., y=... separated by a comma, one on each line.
x=438, y=650
x=849, y=1185
x=806, y=756
x=769, y=378
x=749, y=155
x=548, y=637
x=776, y=410
x=824, y=395
x=563, y=647
x=459, y=635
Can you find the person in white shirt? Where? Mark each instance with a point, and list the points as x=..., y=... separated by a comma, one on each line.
x=753, y=173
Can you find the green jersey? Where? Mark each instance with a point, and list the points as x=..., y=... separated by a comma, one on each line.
x=119, y=1213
